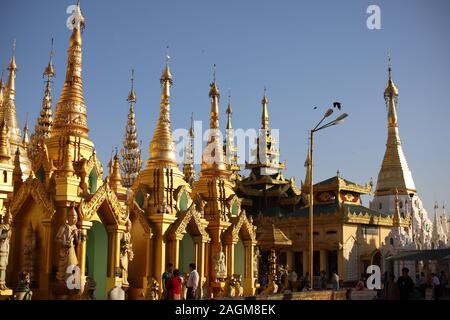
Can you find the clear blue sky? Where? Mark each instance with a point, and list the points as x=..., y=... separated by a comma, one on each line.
x=306, y=53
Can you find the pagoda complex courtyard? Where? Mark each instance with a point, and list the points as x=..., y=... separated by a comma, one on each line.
x=67, y=218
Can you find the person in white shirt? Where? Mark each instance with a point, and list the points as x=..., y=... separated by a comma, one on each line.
x=192, y=283
x=436, y=286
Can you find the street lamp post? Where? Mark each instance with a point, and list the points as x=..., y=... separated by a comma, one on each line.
x=336, y=121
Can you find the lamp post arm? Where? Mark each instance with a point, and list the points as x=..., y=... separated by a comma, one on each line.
x=311, y=211
x=320, y=122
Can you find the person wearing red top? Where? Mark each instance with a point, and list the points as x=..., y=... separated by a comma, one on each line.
x=175, y=285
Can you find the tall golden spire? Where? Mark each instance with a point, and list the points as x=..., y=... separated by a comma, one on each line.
x=115, y=181
x=229, y=113
x=71, y=110
x=45, y=120
x=213, y=159
x=307, y=182
x=162, y=147
x=394, y=173
x=230, y=149
x=131, y=152
x=8, y=110
x=214, y=94
x=265, y=113
x=25, y=139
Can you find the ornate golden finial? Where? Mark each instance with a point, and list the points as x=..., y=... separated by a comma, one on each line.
x=391, y=89
x=132, y=95
x=131, y=153
x=214, y=91
x=12, y=63
x=44, y=122
x=49, y=71
x=265, y=112
x=71, y=110
x=162, y=147
x=389, y=65
x=166, y=77
x=167, y=55
x=78, y=22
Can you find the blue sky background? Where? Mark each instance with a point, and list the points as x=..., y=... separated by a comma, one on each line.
x=306, y=53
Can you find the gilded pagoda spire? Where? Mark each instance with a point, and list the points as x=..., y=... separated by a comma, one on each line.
x=230, y=149
x=267, y=153
x=265, y=112
x=17, y=172
x=45, y=120
x=162, y=146
x=229, y=114
x=188, y=166
x=213, y=158
x=394, y=171
x=71, y=110
x=8, y=110
x=444, y=222
x=115, y=180
x=437, y=234
x=26, y=139
x=396, y=217
x=307, y=182
x=131, y=152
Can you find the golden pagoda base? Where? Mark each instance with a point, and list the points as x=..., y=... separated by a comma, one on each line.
x=218, y=289
x=6, y=294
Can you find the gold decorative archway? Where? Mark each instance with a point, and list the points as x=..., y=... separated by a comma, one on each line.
x=104, y=195
x=34, y=188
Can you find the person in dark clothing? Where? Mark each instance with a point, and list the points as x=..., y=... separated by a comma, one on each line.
x=405, y=285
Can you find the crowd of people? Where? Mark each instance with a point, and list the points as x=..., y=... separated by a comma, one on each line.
x=172, y=282
x=291, y=281
x=404, y=288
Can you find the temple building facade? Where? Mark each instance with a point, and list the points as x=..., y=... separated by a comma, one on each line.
x=73, y=227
